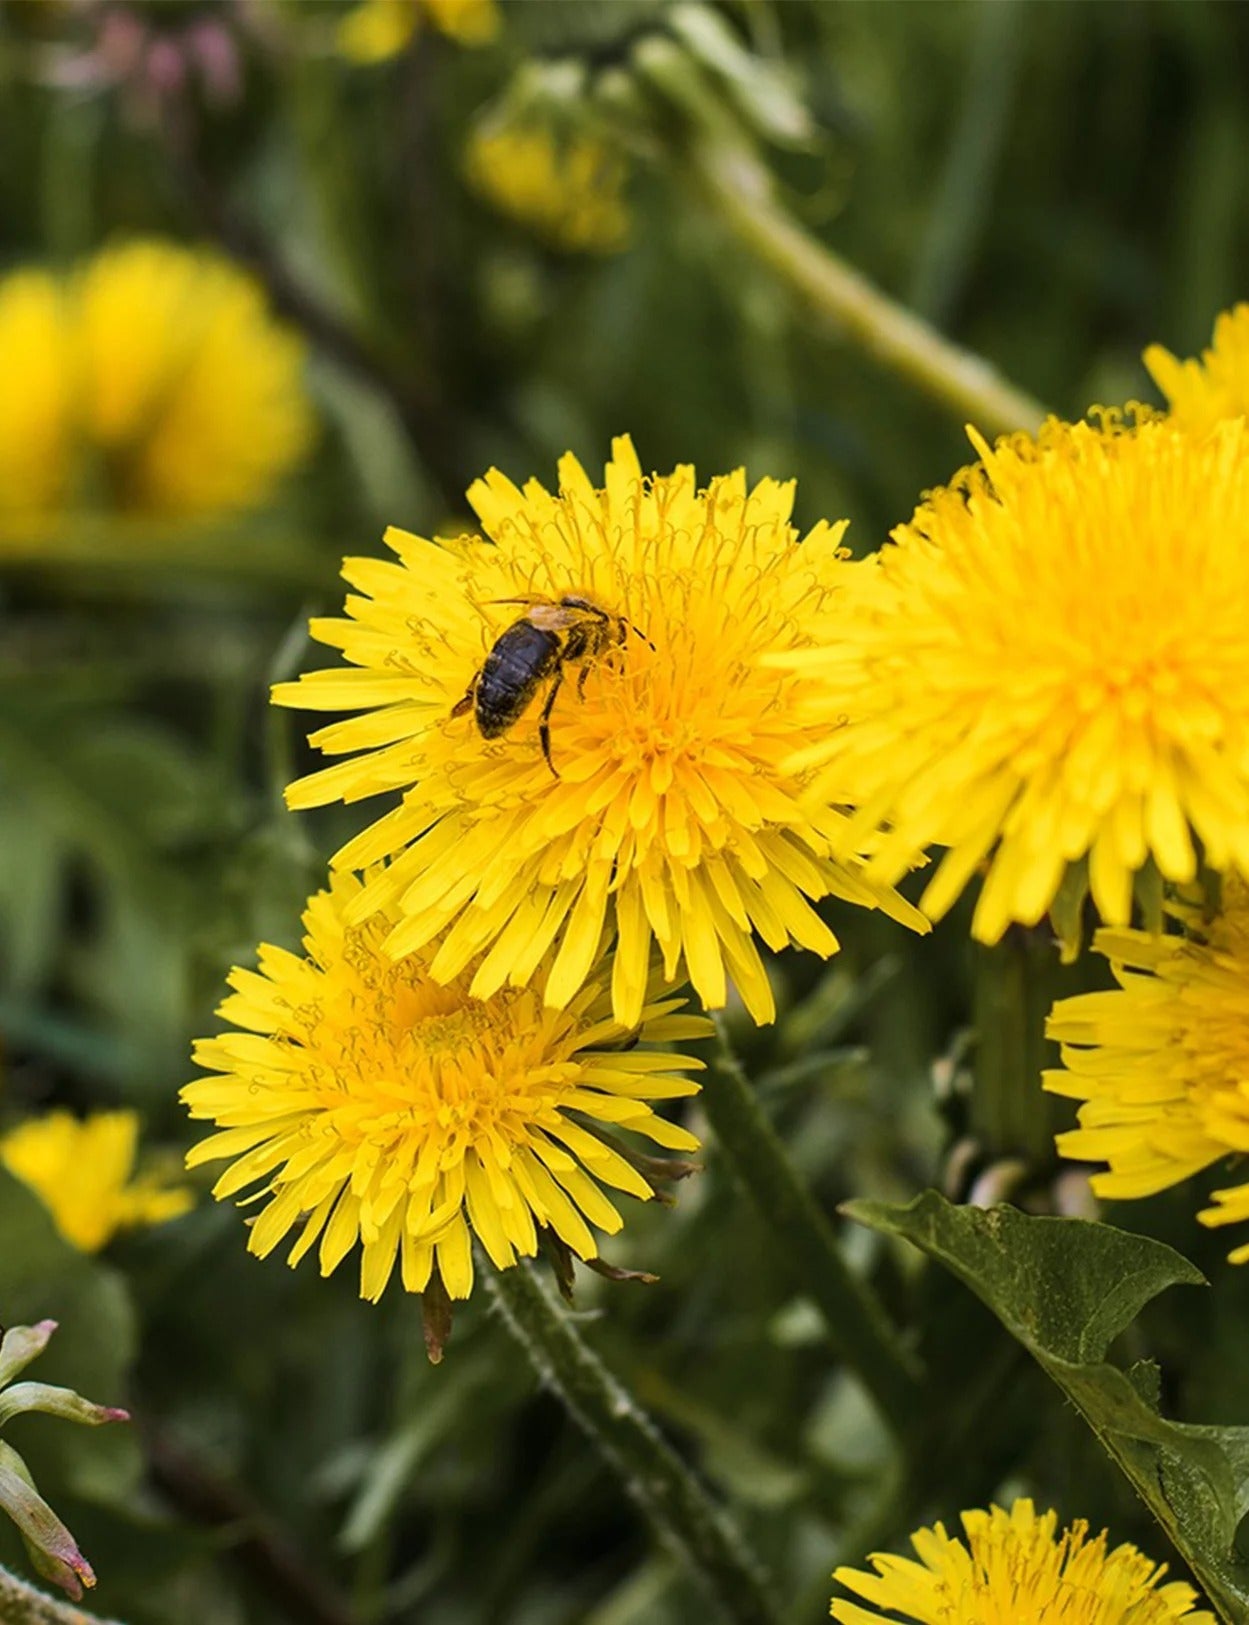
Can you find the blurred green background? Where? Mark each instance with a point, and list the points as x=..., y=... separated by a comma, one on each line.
x=1054, y=185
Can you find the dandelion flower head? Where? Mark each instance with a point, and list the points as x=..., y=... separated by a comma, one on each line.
x=83, y=1173
x=370, y=1105
x=191, y=393
x=1202, y=392
x=568, y=188
x=1014, y=1568
x=668, y=813
x=1162, y=1061
x=152, y=381
x=1049, y=666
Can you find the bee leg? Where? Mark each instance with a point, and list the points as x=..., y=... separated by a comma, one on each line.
x=585, y=672
x=544, y=722
x=630, y=627
x=461, y=706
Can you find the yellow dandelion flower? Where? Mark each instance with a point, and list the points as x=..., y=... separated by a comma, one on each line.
x=1048, y=664
x=568, y=189
x=1203, y=392
x=1014, y=1568
x=190, y=391
x=374, y=1105
x=36, y=395
x=82, y=1171
x=378, y=30
x=1161, y=1061
x=667, y=811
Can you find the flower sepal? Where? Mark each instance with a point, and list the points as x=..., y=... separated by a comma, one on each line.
x=53, y=1551
x=22, y=1344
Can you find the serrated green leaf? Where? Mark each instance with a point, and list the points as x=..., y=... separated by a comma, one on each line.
x=1066, y=1288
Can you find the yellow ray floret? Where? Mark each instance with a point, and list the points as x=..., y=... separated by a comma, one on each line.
x=1014, y=1568
x=83, y=1173
x=1049, y=665
x=668, y=812
x=1202, y=392
x=566, y=187
x=371, y=1106
x=1162, y=1062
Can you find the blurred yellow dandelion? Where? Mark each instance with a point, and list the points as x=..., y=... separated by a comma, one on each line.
x=37, y=394
x=667, y=811
x=567, y=188
x=1161, y=1061
x=1014, y=1568
x=191, y=393
x=1048, y=664
x=1203, y=392
x=373, y=1106
x=152, y=381
x=378, y=30
x=82, y=1171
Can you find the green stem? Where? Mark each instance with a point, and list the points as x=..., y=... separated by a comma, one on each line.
x=679, y=1509
x=861, y=1330
x=22, y=1604
x=1011, y=1115
x=739, y=185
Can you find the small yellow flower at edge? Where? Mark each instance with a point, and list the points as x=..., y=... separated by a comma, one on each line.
x=667, y=813
x=37, y=394
x=375, y=1107
x=1202, y=392
x=1160, y=1061
x=378, y=30
x=1014, y=1566
x=82, y=1171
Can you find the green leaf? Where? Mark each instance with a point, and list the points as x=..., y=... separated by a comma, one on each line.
x=1066, y=1288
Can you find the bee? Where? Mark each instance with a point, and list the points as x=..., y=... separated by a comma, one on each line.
x=552, y=634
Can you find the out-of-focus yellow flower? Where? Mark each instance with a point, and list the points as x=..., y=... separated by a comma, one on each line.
x=82, y=1172
x=37, y=394
x=1203, y=392
x=152, y=381
x=1013, y=1568
x=667, y=811
x=191, y=392
x=567, y=189
x=1161, y=1061
x=377, y=1107
x=380, y=29
x=1048, y=664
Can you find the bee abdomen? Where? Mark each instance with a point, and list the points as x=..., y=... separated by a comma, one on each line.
x=517, y=663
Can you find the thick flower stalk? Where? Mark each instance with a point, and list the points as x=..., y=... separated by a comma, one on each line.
x=1047, y=666
x=153, y=381
x=372, y=1106
x=668, y=812
x=83, y=1171
x=566, y=187
x=1014, y=1568
x=49, y=1544
x=1160, y=1062
x=1203, y=391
